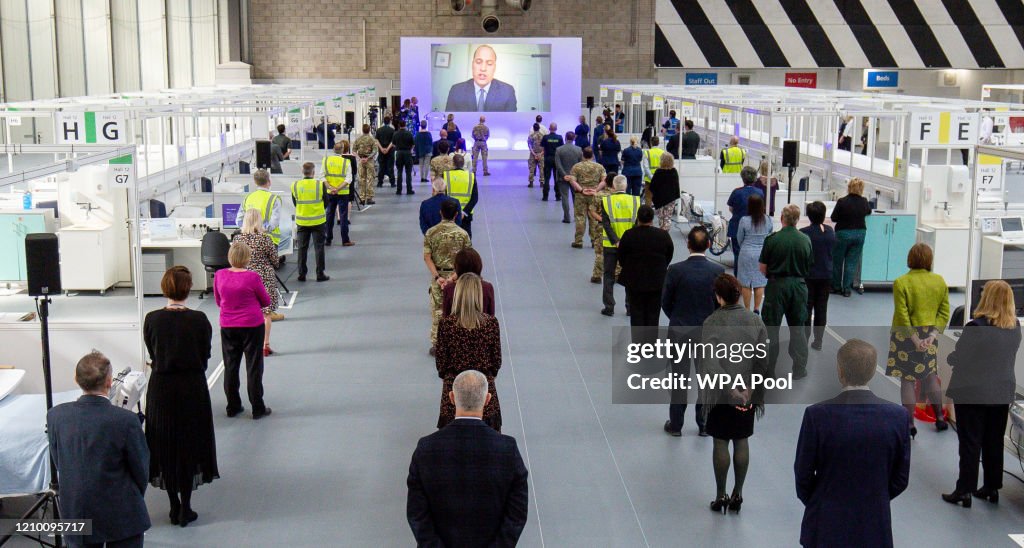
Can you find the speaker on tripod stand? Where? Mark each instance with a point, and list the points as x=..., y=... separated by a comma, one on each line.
x=791, y=161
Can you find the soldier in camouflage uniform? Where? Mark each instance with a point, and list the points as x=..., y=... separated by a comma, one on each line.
x=364, y=148
x=536, y=160
x=480, y=136
x=442, y=163
x=587, y=179
x=440, y=245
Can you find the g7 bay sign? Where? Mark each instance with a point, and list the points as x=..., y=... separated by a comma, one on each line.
x=90, y=127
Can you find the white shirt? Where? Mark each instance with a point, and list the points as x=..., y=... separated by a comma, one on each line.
x=469, y=418
x=856, y=387
x=986, y=129
x=487, y=89
x=701, y=255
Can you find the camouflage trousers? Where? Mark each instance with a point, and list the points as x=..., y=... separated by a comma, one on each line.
x=367, y=177
x=535, y=166
x=480, y=149
x=436, y=304
x=583, y=205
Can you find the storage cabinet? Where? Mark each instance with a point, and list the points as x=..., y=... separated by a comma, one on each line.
x=88, y=258
x=14, y=225
x=888, y=239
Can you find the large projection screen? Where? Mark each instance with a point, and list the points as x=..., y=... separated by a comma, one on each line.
x=519, y=77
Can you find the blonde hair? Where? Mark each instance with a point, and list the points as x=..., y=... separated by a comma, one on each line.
x=239, y=255
x=633, y=141
x=855, y=186
x=468, y=304
x=997, y=305
x=252, y=223
x=791, y=215
x=667, y=161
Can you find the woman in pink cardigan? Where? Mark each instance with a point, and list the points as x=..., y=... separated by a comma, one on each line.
x=241, y=296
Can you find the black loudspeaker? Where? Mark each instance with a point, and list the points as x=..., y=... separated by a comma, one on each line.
x=590, y=101
x=243, y=168
x=262, y=154
x=42, y=261
x=790, y=153
x=350, y=119
x=383, y=104
x=649, y=118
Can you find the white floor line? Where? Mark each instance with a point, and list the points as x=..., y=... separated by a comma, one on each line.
x=515, y=384
x=593, y=406
x=291, y=300
x=215, y=376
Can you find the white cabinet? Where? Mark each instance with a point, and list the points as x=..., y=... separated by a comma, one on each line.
x=949, y=243
x=88, y=258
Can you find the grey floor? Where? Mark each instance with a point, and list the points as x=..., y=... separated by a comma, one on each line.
x=353, y=389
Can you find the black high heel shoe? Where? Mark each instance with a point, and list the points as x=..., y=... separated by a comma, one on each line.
x=913, y=432
x=941, y=426
x=186, y=517
x=991, y=495
x=735, y=503
x=958, y=498
x=720, y=504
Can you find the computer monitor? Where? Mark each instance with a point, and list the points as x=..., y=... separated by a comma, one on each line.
x=1012, y=227
x=52, y=204
x=157, y=209
x=1016, y=284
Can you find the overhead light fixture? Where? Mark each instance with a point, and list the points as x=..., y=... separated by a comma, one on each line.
x=457, y=6
x=490, y=21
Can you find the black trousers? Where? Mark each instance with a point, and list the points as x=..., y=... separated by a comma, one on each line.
x=302, y=235
x=817, y=307
x=236, y=342
x=403, y=161
x=610, y=258
x=644, y=307
x=677, y=409
x=980, y=429
x=550, y=176
x=130, y=542
x=467, y=223
x=387, y=167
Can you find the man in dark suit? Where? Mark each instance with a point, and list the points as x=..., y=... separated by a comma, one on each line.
x=852, y=459
x=688, y=299
x=482, y=93
x=645, y=252
x=467, y=483
x=102, y=460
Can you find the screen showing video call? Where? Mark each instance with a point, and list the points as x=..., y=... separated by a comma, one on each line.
x=483, y=77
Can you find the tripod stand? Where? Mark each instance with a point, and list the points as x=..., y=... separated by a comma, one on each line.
x=50, y=496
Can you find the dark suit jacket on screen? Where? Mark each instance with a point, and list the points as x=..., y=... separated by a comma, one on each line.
x=102, y=467
x=501, y=97
x=467, y=487
x=689, y=295
x=852, y=458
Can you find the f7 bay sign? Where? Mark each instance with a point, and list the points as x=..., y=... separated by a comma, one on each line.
x=78, y=128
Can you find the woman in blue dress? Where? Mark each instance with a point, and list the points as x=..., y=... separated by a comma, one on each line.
x=753, y=229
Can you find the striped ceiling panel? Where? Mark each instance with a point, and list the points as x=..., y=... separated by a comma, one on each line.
x=839, y=33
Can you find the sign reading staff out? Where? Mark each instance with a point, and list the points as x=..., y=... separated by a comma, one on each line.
x=78, y=128
x=702, y=78
x=801, y=79
x=881, y=79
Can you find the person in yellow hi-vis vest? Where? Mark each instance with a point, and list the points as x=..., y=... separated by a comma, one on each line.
x=268, y=203
x=652, y=161
x=338, y=179
x=310, y=199
x=733, y=158
x=618, y=214
x=462, y=187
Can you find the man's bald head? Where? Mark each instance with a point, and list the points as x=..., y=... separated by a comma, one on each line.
x=484, y=62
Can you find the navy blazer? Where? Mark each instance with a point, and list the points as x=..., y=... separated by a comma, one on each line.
x=852, y=458
x=501, y=97
x=467, y=487
x=102, y=467
x=430, y=211
x=689, y=294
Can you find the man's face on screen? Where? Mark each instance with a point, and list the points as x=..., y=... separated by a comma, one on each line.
x=484, y=61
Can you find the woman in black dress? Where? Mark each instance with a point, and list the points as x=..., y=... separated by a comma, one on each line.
x=179, y=418
x=730, y=415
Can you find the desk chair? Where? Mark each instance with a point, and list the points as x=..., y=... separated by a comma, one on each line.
x=214, y=254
